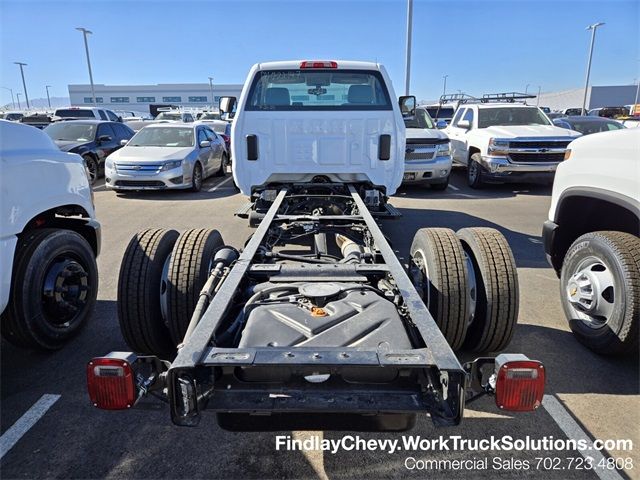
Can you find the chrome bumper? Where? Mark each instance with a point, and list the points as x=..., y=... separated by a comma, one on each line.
x=503, y=165
x=160, y=180
x=437, y=170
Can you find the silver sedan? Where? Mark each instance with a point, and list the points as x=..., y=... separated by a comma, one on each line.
x=167, y=156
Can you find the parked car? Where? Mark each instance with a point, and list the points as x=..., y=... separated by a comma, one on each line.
x=554, y=115
x=592, y=240
x=546, y=110
x=38, y=120
x=500, y=142
x=11, y=116
x=587, y=125
x=93, y=140
x=609, y=112
x=87, y=112
x=427, y=158
x=167, y=156
x=49, y=240
x=441, y=112
x=183, y=117
x=572, y=111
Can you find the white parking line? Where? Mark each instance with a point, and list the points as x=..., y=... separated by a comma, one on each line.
x=571, y=428
x=226, y=180
x=453, y=187
x=25, y=422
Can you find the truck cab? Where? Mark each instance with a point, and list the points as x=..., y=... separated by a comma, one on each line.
x=333, y=121
x=503, y=141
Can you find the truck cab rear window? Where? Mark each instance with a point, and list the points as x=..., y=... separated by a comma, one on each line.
x=303, y=90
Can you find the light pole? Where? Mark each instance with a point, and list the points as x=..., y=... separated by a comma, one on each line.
x=86, y=32
x=407, y=78
x=48, y=99
x=586, y=82
x=526, y=89
x=18, y=97
x=444, y=88
x=24, y=85
x=13, y=102
x=538, y=97
x=211, y=90
x=635, y=111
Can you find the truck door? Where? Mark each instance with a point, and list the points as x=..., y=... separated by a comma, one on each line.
x=458, y=135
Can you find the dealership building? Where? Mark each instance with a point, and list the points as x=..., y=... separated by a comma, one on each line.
x=139, y=98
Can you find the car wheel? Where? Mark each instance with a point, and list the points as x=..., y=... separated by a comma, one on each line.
x=92, y=168
x=600, y=291
x=223, y=166
x=475, y=171
x=196, y=178
x=142, y=289
x=439, y=275
x=54, y=289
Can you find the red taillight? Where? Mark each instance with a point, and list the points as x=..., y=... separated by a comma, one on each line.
x=225, y=138
x=318, y=64
x=519, y=383
x=111, y=381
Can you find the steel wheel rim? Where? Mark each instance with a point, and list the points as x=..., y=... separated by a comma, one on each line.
x=423, y=278
x=473, y=171
x=65, y=291
x=591, y=292
x=472, y=288
x=92, y=169
x=197, y=177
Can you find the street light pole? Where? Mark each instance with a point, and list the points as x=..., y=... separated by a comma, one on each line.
x=444, y=89
x=86, y=32
x=24, y=84
x=526, y=89
x=538, y=97
x=48, y=99
x=211, y=90
x=13, y=102
x=18, y=97
x=586, y=82
x=407, y=79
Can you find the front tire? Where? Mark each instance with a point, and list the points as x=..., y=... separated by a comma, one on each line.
x=475, y=171
x=92, y=168
x=440, y=277
x=196, y=178
x=188, y=271
x=223, y=166
x=141, y=289
x=600, y=291
x=53, y=291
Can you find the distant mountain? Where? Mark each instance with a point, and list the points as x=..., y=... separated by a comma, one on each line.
x=38, y=103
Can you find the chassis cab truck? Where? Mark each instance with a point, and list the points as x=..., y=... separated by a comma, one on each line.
x=315, y=324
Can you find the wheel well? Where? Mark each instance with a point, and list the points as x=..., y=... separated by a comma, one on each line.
x=70, y=217
x=472, y=150
x=580, y=214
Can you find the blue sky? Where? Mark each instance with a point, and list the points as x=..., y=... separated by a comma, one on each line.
x=484, y=46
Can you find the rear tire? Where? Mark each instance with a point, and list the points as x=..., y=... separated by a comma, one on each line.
x=475, y=171
x=140, y=287
x=440, y=277
x=53, y=289
x=607, y=320
x=494, y=317
x=189, y=269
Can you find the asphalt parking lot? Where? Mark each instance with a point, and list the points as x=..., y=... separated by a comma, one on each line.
x=586, y=392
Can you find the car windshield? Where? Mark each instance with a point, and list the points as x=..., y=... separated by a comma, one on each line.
x=72, y=132
x=488, y=117
x=442, y=112
x=300, y=90
x=169, y=116
x=420, y=120
x=73, y=113
x=163, y=137
x=586, y=127
x=210, y=116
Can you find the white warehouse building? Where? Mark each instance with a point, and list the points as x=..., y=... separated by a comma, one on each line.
x=139, y=98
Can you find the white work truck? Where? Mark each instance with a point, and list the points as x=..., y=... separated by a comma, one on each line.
x=499, y=140
x=49, y=240
x=316, y=324
x=592, y=239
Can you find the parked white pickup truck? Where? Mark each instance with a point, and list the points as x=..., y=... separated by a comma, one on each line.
x=592, y=239
x=49, y=240
x=506, y=142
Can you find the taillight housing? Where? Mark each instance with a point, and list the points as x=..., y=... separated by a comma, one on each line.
x=318, y=64
x=111, y=381
x=519, y=383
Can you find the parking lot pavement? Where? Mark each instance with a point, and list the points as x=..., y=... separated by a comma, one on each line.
x=588, y=393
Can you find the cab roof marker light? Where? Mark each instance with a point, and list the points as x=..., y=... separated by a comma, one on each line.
x=519, y=383
x=318, y=64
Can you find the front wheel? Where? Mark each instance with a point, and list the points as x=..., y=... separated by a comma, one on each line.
x=222, y=171
x=54, y=289
x=196, y=178
x=475, y=171
x=92, y=168
x=600, y=291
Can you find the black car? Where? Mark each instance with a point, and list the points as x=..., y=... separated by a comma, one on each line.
x=587, y=124
x=94, y=140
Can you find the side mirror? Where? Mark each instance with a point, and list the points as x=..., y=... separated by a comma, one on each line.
x=120, y=119
x=205, y=144
x=123, y=142
x=407, y=105
x=104, y=138
x=464, y=124
x=227, y=104
x=440, y=124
